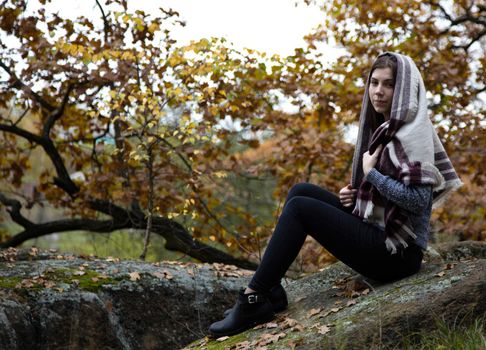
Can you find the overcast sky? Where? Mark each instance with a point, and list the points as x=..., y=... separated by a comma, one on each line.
x=272, y=26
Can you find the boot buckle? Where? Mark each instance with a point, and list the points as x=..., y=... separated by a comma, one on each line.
x=252, y=299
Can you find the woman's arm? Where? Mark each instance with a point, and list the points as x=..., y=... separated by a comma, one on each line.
x=411, y=198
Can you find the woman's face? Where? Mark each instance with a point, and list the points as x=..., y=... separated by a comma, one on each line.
x=381, y=90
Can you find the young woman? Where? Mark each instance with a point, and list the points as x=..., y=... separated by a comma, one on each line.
x=379, y=224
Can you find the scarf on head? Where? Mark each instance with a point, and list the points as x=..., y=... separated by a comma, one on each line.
x=412, y=153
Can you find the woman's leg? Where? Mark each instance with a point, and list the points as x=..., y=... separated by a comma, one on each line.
x=305, y=189
x=346, y=236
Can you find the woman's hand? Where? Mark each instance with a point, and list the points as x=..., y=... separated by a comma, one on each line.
x=369, y=160
x=347, y=195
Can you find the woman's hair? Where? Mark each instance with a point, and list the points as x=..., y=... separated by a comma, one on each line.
x=385, y=61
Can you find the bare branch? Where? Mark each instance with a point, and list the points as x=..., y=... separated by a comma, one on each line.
x=176, y=237
x=105, y=21
x=18, y=84
x=14, y=212
x=57, y=113
x=22, y=133
x=22, y=116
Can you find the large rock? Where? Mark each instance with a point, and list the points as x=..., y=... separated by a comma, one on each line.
x=336, y=308
x=52, y=301
x=67, y=302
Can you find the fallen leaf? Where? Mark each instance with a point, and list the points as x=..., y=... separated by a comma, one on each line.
x=351, y=302
x=449, y=266
x=336, y=309
x=269, y=338
x=440, y=274
x=79, y=273
x=323, y=329
x=222, y=338
x=288, y=322
x=297, y=328
x=244, y=345
x=365, y=292
x=134, y=276
x=313, y=312
x=293, y=343
x=49, y=284
x=271, y=325
x=34, y=251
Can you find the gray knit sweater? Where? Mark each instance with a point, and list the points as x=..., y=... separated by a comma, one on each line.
x=416, y=200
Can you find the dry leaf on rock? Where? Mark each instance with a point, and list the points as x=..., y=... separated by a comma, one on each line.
x=134, y=276
x=293, y=343
x=288, y=322
x=323, y=329
x=313, y=312
x=269, y=338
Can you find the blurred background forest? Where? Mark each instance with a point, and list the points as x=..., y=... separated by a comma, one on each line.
x=117, y=141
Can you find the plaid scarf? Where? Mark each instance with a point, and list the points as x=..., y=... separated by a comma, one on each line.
x=412, y=153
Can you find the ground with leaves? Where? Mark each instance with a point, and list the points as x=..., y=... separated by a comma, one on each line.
x=50, y=301
x=336, y=309
x=57, y=301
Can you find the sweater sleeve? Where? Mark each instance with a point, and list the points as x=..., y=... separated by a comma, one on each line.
x=412, y=198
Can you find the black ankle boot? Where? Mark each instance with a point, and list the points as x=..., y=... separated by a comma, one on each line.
x=277, y=297
x=250, y=310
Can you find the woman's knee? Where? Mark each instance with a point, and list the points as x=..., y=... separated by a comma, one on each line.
x=299, y=189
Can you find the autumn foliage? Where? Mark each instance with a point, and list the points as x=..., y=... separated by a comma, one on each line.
x=137, y=132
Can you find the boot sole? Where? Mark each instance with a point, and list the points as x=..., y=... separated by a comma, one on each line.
x=243, y=328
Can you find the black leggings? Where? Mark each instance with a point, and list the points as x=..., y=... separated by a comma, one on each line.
x=310, y=209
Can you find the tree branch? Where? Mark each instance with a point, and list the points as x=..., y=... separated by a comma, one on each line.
x=57, y=113
x=20, y=85
x=14, y=212
x=175, y=235
x=22, y=133
x=106, y=25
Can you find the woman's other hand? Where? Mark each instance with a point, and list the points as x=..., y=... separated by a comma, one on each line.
x=347, y=195
x=369, y=160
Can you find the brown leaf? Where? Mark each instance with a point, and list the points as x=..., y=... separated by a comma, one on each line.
x=449, y=266
x=351, y=302
x=293, y=343
x=244, y=345
x=297, y=328
x=313, y=312
x=288, y=322
x=440, y=274
x=323, y=329
x=134, y=276
x=271, y=325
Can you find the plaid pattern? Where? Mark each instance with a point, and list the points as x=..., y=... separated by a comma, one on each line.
x=412, y=152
